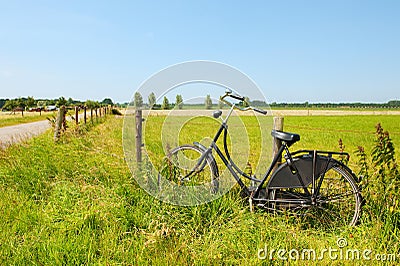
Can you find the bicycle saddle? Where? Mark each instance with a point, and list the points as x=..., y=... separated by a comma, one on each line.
x=289, y=138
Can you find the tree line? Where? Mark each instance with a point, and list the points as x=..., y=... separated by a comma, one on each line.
x=29, y=103
x=208, y=104
x=165, y=105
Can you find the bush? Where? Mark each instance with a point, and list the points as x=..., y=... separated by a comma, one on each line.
x=380, y=180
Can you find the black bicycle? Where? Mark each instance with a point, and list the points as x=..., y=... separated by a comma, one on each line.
x=309, y=183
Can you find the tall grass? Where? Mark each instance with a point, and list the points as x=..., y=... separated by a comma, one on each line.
x=75, y=202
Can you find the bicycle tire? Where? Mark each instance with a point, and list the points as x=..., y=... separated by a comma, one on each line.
x=184, y=159
x=338, y=202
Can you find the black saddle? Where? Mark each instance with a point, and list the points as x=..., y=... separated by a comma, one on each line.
x=289, y=138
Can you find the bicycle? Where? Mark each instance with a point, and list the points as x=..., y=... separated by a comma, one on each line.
x=309, y=183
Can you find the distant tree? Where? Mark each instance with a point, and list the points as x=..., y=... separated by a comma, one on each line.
x=165, y=104
x=179, y=101
x=61, y=101
x=208, y=102
x=21, y=103
x=90, y=104
x=70, y=101
x=2, y=102
x=10, y=105
x=393, y=103
x=245, y=103
x=152, y=99
x=138, y=100
x=30, y=102
x=260, y=103
x=51, y=102
x=107, y=101
x=220, y=104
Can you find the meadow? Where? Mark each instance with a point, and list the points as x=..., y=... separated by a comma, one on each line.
x=10, y=119
x=76, y=202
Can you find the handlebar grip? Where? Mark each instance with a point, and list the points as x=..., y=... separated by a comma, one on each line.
x=260, y=111
x=237, y=97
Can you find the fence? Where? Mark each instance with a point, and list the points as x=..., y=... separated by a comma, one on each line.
x=61, y=121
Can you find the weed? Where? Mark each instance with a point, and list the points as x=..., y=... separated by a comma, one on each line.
x=381, y=186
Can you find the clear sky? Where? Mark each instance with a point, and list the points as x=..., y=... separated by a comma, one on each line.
x=296, y=51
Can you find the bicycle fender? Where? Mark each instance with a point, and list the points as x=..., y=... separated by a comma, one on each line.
x=287, y=175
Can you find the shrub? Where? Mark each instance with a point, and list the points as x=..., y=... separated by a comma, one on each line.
x=380, y=180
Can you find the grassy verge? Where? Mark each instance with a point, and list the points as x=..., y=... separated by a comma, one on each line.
x=7, y=119
x=75, y=202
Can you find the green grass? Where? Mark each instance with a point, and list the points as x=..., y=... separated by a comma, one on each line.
x=7, y=119
x=75, y=202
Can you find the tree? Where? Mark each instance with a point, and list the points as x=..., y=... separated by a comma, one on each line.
x=245, y=103
x=220, y=104
x=165, y=104
x=70, y=101
x=2, y=102
x=30, y=102
x=61, y=101
x=107, y=101
x=152, y=100
x=10, y=105
x=179, y=101
x=21, y=104
x=208, y=102
x=90, y=104
x=138, y=100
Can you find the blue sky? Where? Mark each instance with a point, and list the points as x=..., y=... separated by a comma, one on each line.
x=296, y=51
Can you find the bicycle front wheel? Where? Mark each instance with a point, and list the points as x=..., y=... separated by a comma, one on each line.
x=334, y=201
x=186, y=165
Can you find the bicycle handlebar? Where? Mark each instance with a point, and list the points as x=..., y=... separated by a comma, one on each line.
x=260, y=111
x=240, y=98
x=237, y=97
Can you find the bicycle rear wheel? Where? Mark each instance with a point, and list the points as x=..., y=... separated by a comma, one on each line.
x=183, y=167
x=336, y=201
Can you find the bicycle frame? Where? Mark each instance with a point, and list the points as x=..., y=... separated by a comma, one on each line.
x=233, y=169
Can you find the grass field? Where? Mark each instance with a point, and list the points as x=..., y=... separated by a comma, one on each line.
x=75, y=202
x=8, y=119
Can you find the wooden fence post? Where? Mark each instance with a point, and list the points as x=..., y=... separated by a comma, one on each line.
x=76, y=115
x=138, y=120
x=59, y=123
x=278, y=125
x=84, y=114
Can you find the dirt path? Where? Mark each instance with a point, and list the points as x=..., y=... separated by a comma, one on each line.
x=17, y=133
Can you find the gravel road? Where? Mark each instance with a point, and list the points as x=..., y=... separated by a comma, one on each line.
x=17, y=133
